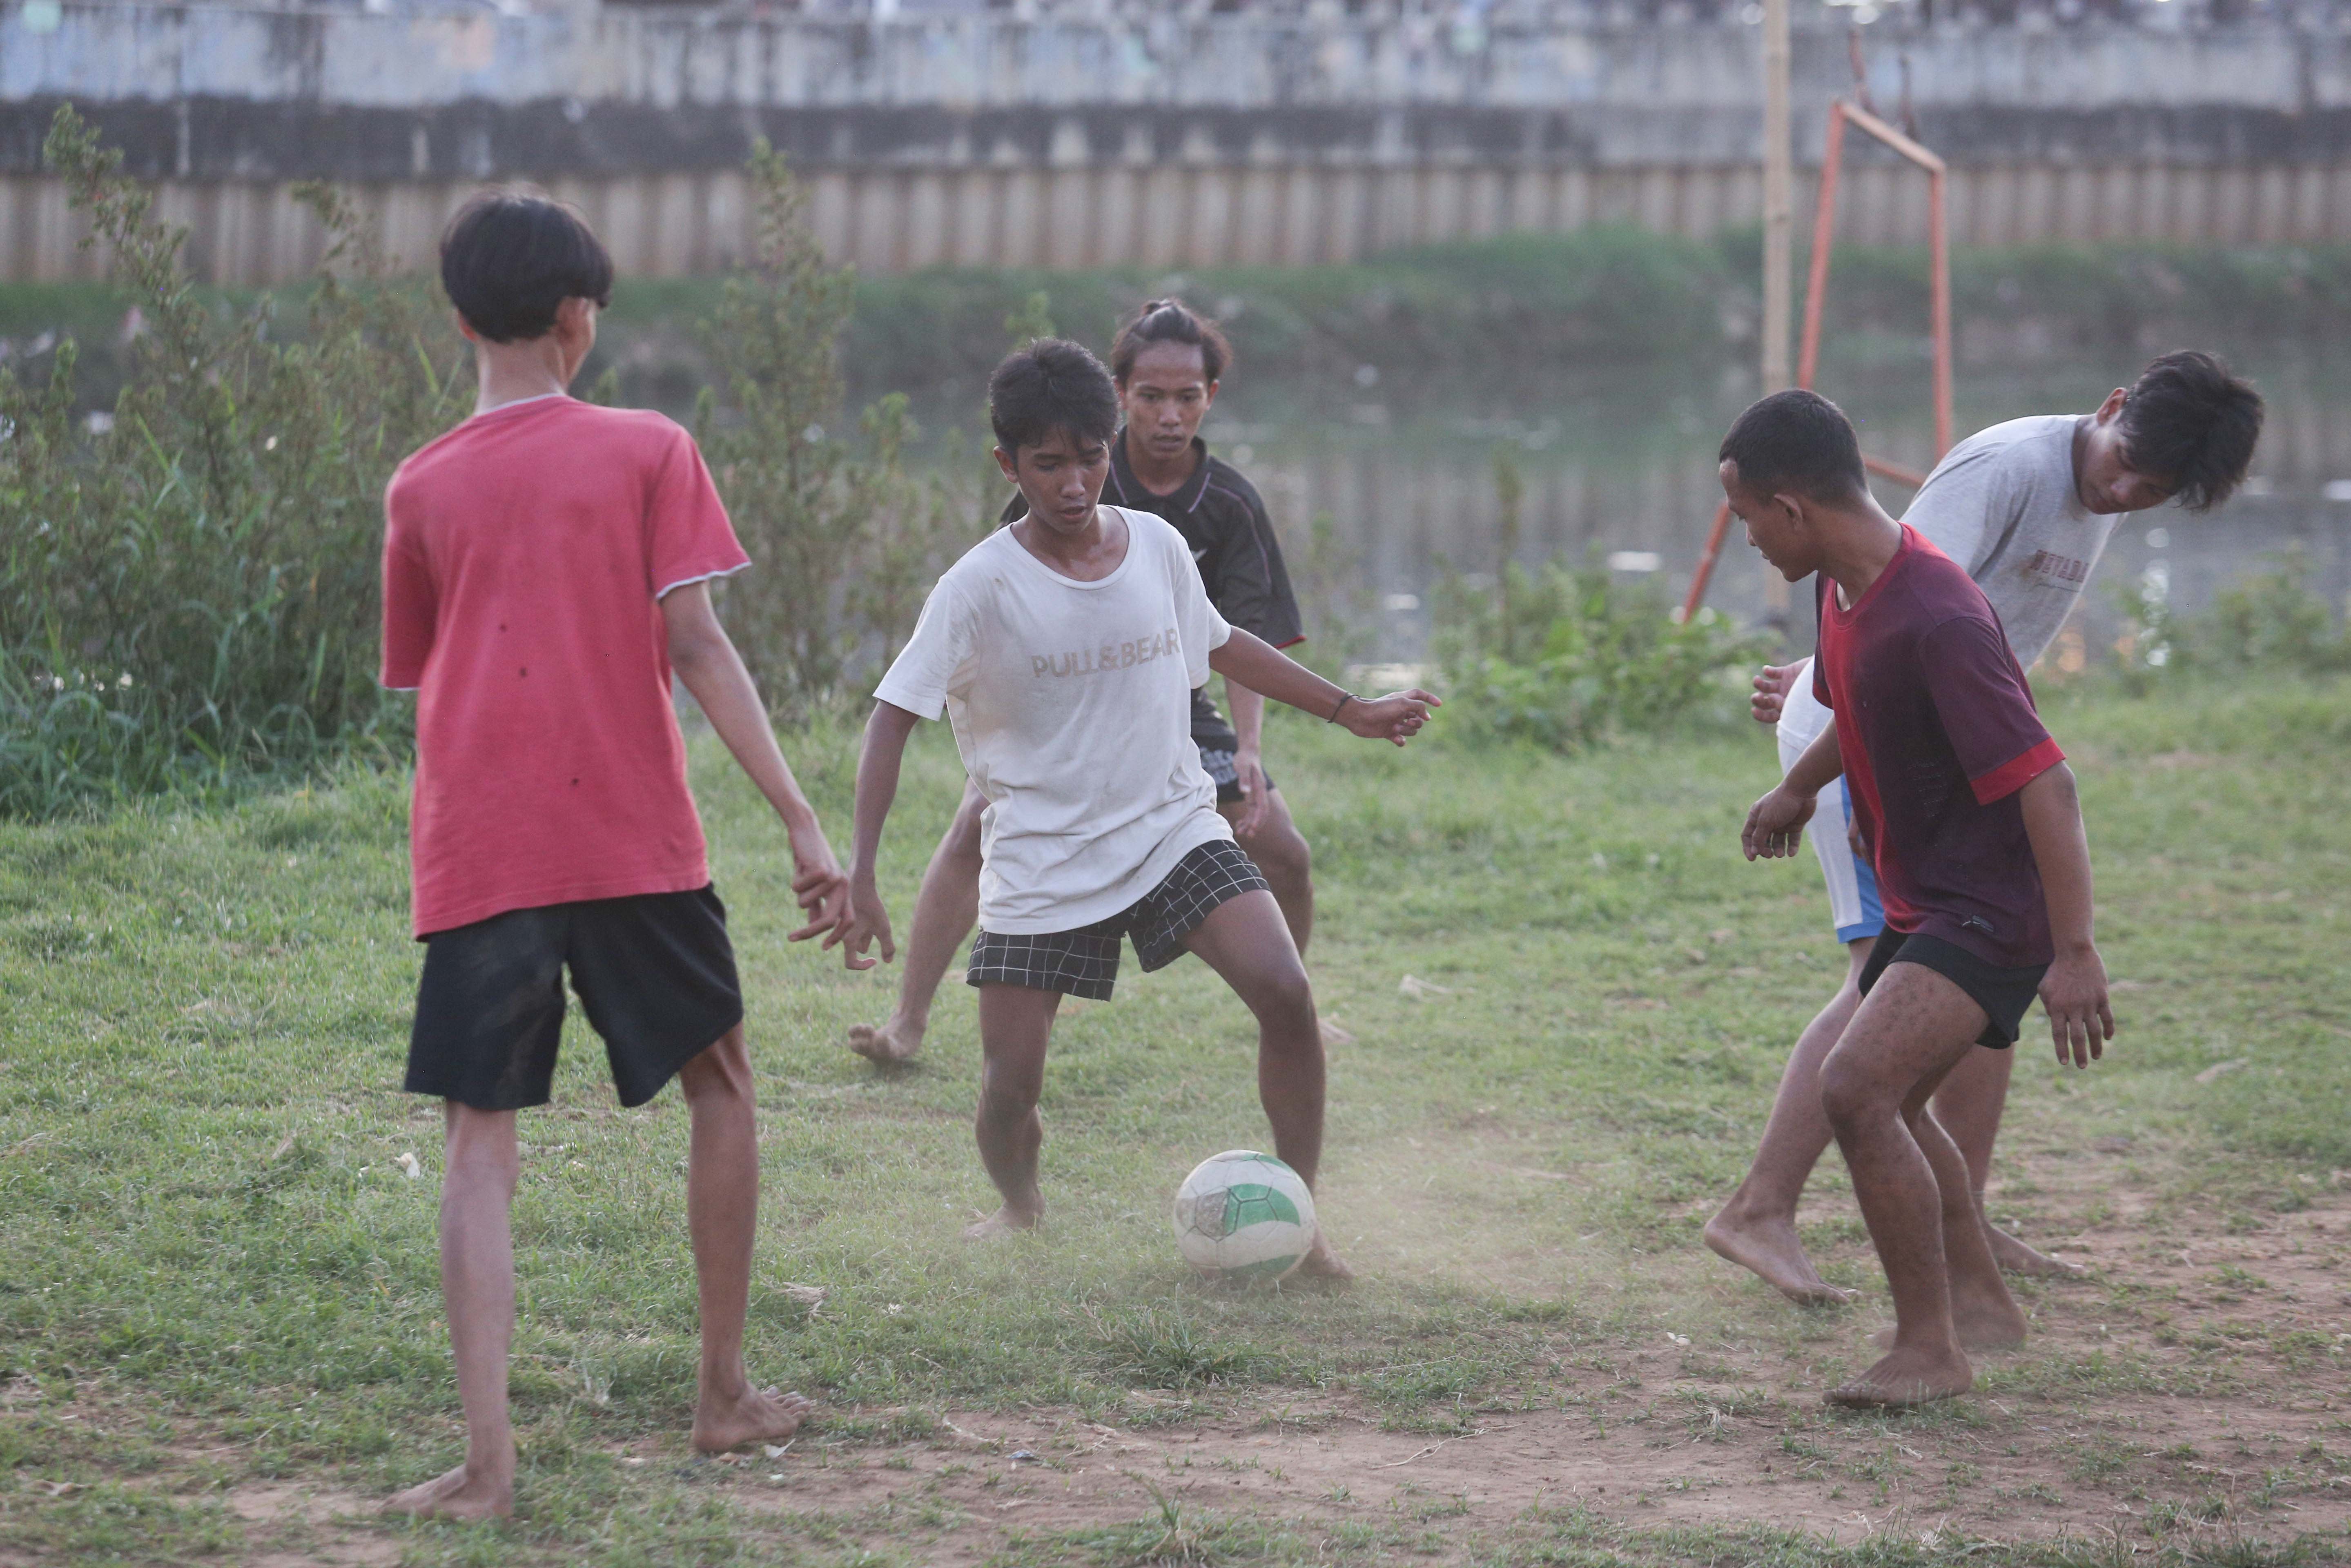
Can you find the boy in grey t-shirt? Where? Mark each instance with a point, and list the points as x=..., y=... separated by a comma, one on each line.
x=2026, y=507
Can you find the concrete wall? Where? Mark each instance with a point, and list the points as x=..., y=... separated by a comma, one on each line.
x=973, y=140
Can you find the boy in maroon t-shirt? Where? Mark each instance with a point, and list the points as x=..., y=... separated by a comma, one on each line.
x=546, y=567
x=1982, y=862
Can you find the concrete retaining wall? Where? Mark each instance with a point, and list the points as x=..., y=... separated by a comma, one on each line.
x=976, y=141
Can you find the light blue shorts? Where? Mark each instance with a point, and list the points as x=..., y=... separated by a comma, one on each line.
x=1854, y=905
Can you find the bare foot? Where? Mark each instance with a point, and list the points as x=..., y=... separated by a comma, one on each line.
x=1986, y=1327
x=458, y=1494
x=1769, y=1248
x=1333, y=1033
x=754, y=1415
x=1005, y=1222
x=2015, y=1258
x=1321, y=1263
x=1903, y=1379
x=896, y=1040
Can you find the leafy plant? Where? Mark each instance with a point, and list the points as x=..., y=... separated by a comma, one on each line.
x=188, y=584
x=1568, y=656
x=843, y=541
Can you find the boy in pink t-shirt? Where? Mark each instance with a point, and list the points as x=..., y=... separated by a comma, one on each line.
x=546, y=569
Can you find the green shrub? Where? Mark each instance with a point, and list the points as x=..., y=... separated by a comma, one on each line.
x=2269, y=619
x=188, y=587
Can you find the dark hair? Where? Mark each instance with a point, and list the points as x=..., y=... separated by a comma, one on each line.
x=2190, y=422
x=1052, y=384
x=1797, y=441
x=1170, y=320
x=508, y=260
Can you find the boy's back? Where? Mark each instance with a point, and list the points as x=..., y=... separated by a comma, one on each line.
x=524, y=556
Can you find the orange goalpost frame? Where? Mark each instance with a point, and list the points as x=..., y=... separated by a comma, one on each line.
x=1841, y=113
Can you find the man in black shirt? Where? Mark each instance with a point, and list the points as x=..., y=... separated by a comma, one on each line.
x=1166, y=361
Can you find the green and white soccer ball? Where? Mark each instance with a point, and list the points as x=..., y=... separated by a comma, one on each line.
x=1242, y=1216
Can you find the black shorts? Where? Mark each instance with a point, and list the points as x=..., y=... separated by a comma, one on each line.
x=1224, y=775
x=655, y=973
x=2005, y=995
x=1084, y=962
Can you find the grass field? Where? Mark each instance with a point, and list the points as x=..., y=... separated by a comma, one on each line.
x=219, y=1335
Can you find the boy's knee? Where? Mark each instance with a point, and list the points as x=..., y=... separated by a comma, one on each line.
x=1282, y=855
x=481, y=1149
x=723, y=1069
x=1849, y=1097
x=1008, y=1096
x=1285, y=1001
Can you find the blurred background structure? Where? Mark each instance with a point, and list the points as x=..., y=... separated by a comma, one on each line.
x=1091, y=133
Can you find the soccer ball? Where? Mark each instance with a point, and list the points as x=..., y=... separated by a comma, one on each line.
x=1244, y=1215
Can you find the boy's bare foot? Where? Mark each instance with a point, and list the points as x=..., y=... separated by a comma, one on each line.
x=1321, y=1263
x=754, y=1415
x=1333, y=1033
x=1904, y=1379
x=1989, y=1326
x=2015, y=1258
x=896, y=1040
x=1005, y=1222
x=458, y=1494
x=1769, y=1248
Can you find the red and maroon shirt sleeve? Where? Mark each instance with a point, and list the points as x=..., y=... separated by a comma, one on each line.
x=691, y=538
x=1986, y=708
x=411, y=607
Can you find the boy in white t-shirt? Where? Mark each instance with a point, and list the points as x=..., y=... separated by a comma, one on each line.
x=1064, y=650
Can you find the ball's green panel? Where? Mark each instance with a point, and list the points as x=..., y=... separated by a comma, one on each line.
x=1248, y=1203
x=1265, y=1269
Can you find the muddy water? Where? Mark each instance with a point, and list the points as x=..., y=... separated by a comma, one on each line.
x=1619, y=468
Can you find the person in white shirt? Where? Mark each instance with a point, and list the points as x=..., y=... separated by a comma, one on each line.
x=1064, y=651
x=2025, y=508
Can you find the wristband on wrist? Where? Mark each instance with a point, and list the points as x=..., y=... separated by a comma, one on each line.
x=1344, y=698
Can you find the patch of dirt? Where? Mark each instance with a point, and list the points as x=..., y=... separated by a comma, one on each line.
x=2196, y=1381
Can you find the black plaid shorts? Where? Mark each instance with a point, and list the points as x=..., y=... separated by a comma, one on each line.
x=1084, y=962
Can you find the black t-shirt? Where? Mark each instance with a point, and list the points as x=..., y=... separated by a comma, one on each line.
x=1222, y=518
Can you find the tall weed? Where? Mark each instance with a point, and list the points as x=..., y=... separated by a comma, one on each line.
x=845, y=537
x=188, y=585
x=2267, y=621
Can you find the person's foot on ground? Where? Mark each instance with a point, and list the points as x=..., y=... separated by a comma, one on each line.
x=1333, y=1033
x=1769, y=1248
x=1004, y=1222
x=458, y=1494
x=896, y=1040
x=754, y=1415
x=1986, y=1326
x=2015, y=1257
x=1321, y=1263
x=1904, y=1379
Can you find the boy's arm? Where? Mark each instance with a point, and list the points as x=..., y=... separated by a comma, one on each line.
x=1256, y=664
x=868, y=919
x=1775, y=824
x=706, y=662
x=1248, y=758
x=2075, y=989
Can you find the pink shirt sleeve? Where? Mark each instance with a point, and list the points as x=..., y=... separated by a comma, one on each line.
x=690, y=538
x=411, y=607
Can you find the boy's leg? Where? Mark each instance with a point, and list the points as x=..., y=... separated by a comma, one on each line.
x=480, y=1166
x=1016, y=1024
x=721, y=1207
x=1911, y=1029
x=1969, y=1105
x=1246, y=941
x=1756, y=1228
x=1281, y=852
x=946, y=910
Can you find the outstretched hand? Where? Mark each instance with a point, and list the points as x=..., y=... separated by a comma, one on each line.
x=1775, y=824
x=1772, y=685
x=2081, y=1021
x=866, y=921
x=1397, y=716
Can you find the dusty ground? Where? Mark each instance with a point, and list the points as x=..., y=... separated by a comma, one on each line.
x=2196, y=1381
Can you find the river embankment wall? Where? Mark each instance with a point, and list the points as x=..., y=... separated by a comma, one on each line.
x=1159, y=140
